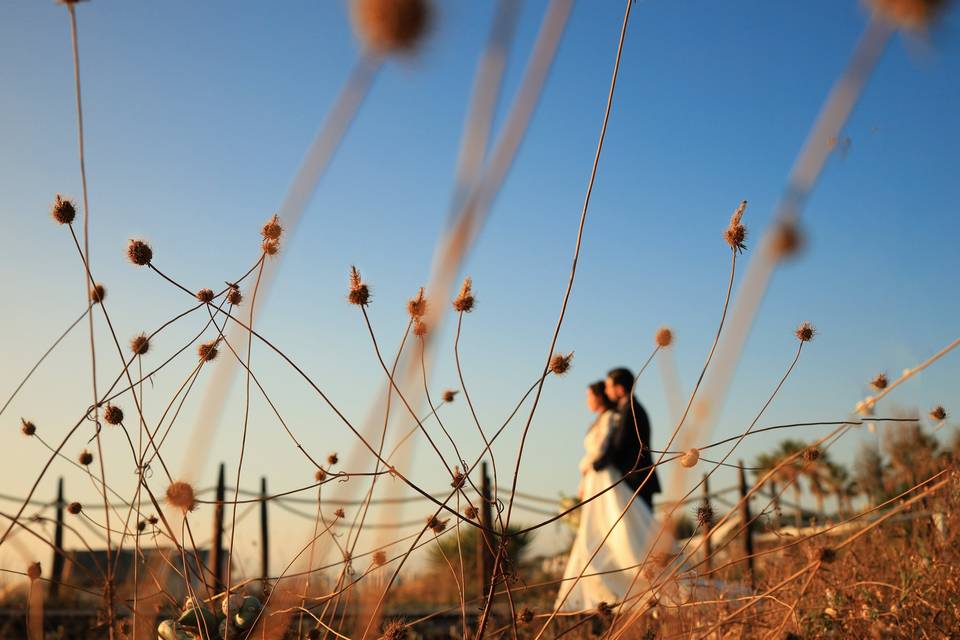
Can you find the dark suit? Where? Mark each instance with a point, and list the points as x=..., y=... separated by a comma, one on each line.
x=627, y=453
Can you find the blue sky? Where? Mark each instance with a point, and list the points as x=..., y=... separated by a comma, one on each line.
x=198, y=115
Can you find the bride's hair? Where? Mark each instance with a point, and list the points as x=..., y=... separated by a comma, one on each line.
x=598, y=389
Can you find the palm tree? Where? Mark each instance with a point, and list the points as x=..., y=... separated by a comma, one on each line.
x=869, y=473
x=763, y=463
x=790, y=473
x=838, y=479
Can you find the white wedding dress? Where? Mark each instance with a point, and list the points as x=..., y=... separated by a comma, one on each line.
x=625, y=547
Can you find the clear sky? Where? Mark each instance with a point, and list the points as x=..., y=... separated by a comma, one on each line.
x=198, y=115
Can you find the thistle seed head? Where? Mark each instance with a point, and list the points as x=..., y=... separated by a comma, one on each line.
x=560, y=364
x=86, y=458
x=320, y=475
x=270, y=246
x=879, y=382
x=234, y=296
x=449, y=395
x=663, y=337
x=464, y=301
x=395, y=630
x=139, y=252
x=205, y=295
x=332, y=459
x=180, y=495
x=471, y=512
x=113, y=414
x=63, y=210
x=419, y=328
x=207, y=351
x=417, y=306
x=389, y=26
x=736, y=233
x=359, y=293
x=140, y=344
x=436, y=525
x=938, y=413
x=339, y=512
x=97, y=294
x=705, y=515
x=33, y=571
x=27, y=427
x=805, y=332
x=272, y=230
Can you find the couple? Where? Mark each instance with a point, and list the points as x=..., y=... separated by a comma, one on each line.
x=616, y=446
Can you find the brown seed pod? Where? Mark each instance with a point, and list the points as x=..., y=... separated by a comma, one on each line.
x=879, y=382
x=272, y=229
x=388, y=26
x=207, y=351
x=339, y=512
x=471, y=512
x=320, y=475
x=270, y=247
x=464, y=301
x=141, y=525
x=560, y=364
x=332, y=459
x=205, y=295
x=705, y=515
x=97, y=294
x=436, y=525
x=63, y=210
x=85, y=458
x=449, y=395
x=664, y=337
x=139, y=252
x=395, y=630
x=359, y=293
x=140, y=344
x=27, y=427
x=33, y=571
x=180, y=495
x=736, y=233
x=74, y=508
x=234, y=296
x=417, y=306
x=113, y=414
x=938, y=413
x=419, y=328
x=805, y=332
x=379, y=558
x=153, y=520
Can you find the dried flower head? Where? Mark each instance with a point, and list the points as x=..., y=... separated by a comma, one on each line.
x=332, y=459
x=879, y=382
x=736, y=233
x=205, y=295
x=436, y=525
x=560, y=364
x=690, y=458
x=180, y=495
x=141, y=525
x=113, y=414
x=234, y=296
x=464, y=301
x=85, y=458
x=153, y=520
x=938, y=413
x=27, y=427
x=705, y=515
x=458, y=478
x=663, y=337
x=471, y=512
x=909, y=14
x=74, y=508
x=395, y=630
x=826, y=555
x=339, y=512
x=417, y=306
x=320, y=475
x=98, y=294
x=33, y=571
x=524, y=616
x=811, y=454
x=207, y=351
x=63, y=210
x=805, y=332
x=272, y=229
x=359, y=291
x=270, y=247
x=139, y=252
x=140, y=344
x=379, y=557
x=388, y=26
x=449, y=395
x=604, y=610
x=419, y=328
x=786, y=239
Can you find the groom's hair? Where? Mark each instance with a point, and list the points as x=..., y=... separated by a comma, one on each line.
x=621, y=376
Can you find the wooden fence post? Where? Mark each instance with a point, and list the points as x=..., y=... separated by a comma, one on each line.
x=57, y=575
x=746, y=520
x=264, y=535
x=707, y=545
x=219, y=570
x=486, y=541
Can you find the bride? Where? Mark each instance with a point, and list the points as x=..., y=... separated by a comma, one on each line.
x=604, y=578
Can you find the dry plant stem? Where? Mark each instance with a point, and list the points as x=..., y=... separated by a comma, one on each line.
x=243, y=437
x=88, y=285
x=563, y=308
x=44, y=357
x=792, y=611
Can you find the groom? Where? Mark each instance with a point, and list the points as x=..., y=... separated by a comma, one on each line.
x=629, y=448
